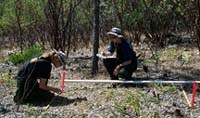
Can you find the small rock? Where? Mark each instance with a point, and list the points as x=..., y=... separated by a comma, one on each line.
x=174, y=104
x=75, y=104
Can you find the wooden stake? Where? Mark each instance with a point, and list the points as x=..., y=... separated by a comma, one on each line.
x=186, y=98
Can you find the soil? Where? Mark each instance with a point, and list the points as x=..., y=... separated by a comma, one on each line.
x=97, y=100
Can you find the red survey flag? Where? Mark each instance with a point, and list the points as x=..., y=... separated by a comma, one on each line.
x=194, y=90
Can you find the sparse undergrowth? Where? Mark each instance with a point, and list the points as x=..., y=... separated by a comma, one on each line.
x=29, y=52
x=7, y=79
x=82, y=100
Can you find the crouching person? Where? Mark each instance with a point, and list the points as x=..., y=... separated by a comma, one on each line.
x=126, y=62
x=32, y=78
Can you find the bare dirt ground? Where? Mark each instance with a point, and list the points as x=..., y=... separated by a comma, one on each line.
x=86, y=100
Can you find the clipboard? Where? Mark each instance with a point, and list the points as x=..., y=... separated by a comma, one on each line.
x=105, y=57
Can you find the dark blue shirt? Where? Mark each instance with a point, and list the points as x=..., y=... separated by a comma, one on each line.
x=124, y=50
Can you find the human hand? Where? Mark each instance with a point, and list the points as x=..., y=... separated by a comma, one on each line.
x=116, y=71
x=106, y=53
x=57, y=90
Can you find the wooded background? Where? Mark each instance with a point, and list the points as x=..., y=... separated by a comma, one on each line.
x=68, y=24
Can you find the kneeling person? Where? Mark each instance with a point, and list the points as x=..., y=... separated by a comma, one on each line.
x=28, y=88
x=126, y=62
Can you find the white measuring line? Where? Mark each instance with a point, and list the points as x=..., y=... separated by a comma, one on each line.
x=133, y=81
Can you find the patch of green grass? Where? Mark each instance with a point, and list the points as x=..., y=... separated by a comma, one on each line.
x=148, y=61
x=28, y=53
x=155, y=85
x=107, y=94
x=1, y=60
x=120, y=109
x=131, y=101
x=169, y=89
x=164, y=88
x=7, y=79
x=156, y=115
x=186, y=57
x=168, y=54
x=16, y=58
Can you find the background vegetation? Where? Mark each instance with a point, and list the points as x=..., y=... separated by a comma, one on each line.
x=29, y=52
x=60, y=24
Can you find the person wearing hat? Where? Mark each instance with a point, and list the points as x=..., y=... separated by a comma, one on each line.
x=125, y=62
x=38, y=69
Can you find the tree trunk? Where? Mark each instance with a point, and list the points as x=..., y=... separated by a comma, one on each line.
x=95, y=37
x=198, y=25
x=18, y=15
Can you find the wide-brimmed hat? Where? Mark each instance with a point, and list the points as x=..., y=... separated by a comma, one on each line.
x=116, y=32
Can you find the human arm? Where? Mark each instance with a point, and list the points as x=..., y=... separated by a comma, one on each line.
x=128, y=55
x=110, y=50
x=118, y=67
x=43, y=85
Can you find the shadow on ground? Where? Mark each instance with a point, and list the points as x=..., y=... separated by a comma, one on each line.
x=59, y=101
